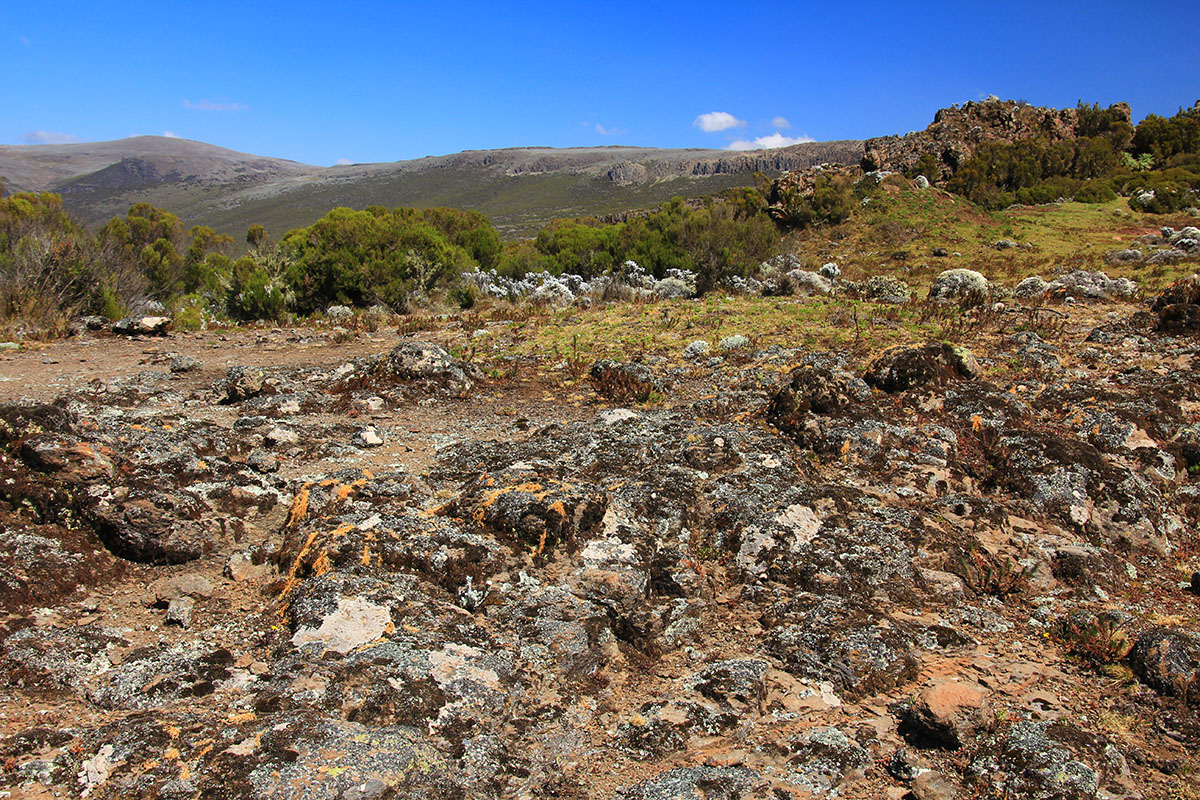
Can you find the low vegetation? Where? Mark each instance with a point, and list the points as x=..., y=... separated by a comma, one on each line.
x=1118, y=182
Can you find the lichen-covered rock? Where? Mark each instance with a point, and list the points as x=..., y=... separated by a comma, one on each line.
x=959, y=283
x=1129, y=256
x=428, y=364
x=1046, y=760
x=822, y=759
x=241, y=383
x=907, y=367
x=1031, y=287
x=1084, y=285
x=1168, y=660
x=695, y=783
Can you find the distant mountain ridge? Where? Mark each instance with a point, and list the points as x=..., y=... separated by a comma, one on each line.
x=519, y=188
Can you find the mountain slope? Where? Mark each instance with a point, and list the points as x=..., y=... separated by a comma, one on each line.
x=519, y=188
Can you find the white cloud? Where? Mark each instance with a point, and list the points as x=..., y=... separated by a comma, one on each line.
x=170, y=134
x=603, y=131
x=341, y=162
x=768, y=142
x=211, y=105
x=781, y=123
x=49, y=137
x=718, y=121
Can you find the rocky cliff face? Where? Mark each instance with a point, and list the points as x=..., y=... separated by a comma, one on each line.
x=957, y=131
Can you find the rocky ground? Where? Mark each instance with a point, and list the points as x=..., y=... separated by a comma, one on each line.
x=287, y=564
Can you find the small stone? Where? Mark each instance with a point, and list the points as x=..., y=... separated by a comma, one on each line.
x=259, y=668
x=142, y=326
x=260, y=460
x=179, y=612
x=368, y=437
x=280, y=436
x=932, y=786
x=182, y=363
x=240, y=567
x=369, y=790
x=242, y=383
x=612, y=416
x=190, y=585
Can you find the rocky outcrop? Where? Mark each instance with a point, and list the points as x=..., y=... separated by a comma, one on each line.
x=956, y=132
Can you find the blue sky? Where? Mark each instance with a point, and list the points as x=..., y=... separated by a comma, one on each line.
x=358, y=81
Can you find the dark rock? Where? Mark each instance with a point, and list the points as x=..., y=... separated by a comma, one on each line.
x=735, y=684
x=815, y=390
x=905, y=765
x=261, y=460
x=1124, y=257
x=696, y=783
x=1178, y=306
x=844, y=643
x=430, y=365
x=18, y=422
x=1041, y=759
x=241, y=383
x=822, y=759
x=1168, y=660
x=933, y=364
x=180, y=364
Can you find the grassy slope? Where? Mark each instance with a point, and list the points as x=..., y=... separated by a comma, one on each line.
x=562, y=343
x=518, y=205
x=914, y=222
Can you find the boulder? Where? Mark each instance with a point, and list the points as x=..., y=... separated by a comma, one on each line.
x=804, y=282
x=241, y=383
x=1168, y=660
x=948, y=714
x=1083, y=285
x=958, y=283
x=1178, y=306
x=1129, y=256
x=1030, y=287
x=429, y=364
x=933, y=364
